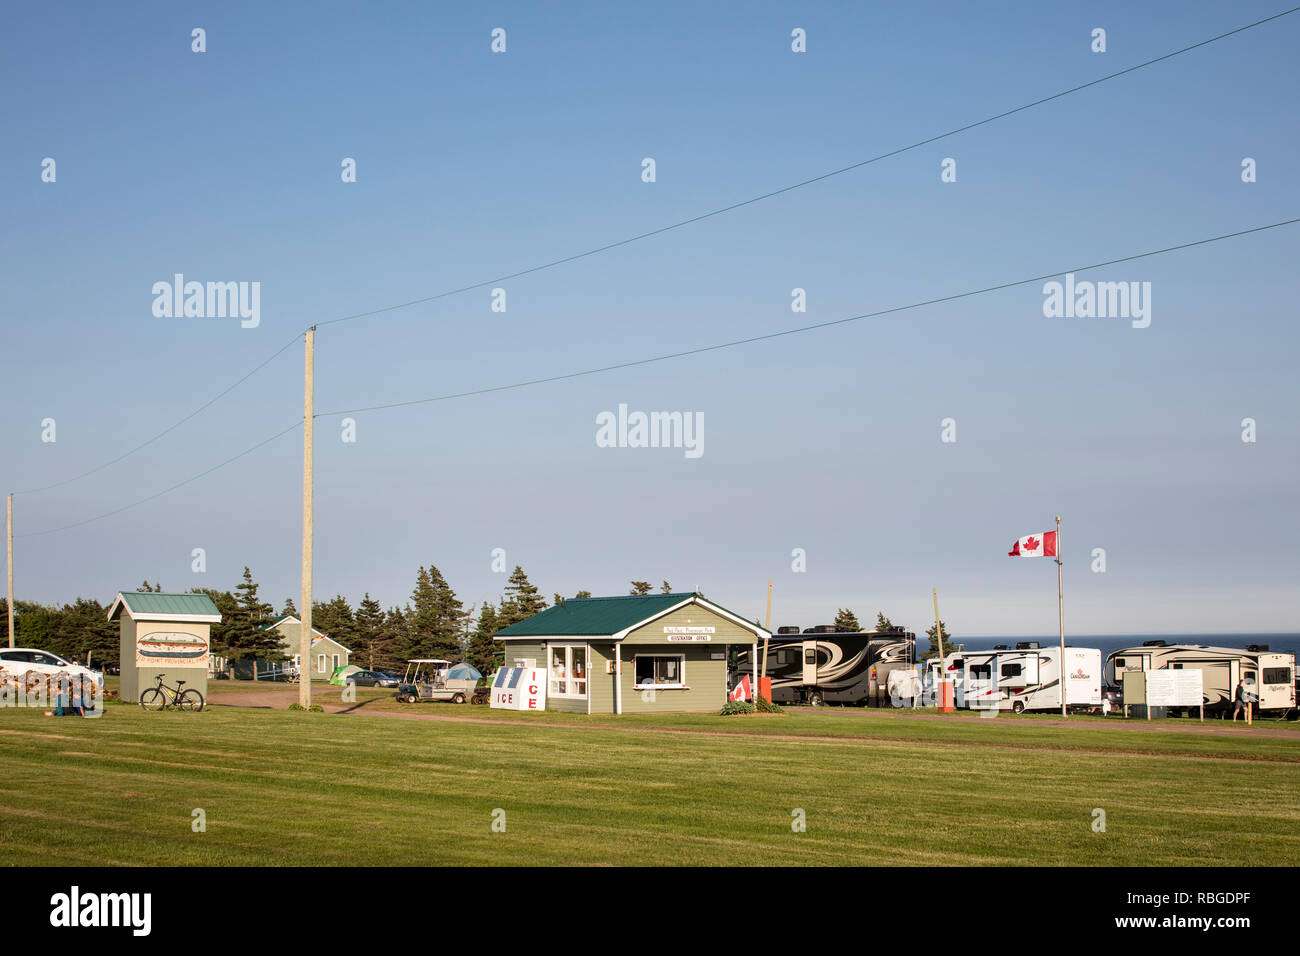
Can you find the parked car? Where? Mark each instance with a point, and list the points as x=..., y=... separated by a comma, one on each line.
x=371, y=679
x=20, y=660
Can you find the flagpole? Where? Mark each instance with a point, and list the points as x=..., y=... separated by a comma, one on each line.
x=1060, y=609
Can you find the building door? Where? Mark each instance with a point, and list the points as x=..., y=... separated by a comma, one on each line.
x=810, y=662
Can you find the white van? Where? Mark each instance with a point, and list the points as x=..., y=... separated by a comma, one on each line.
x=18, y=661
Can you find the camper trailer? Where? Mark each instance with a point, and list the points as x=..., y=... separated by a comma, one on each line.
x=824, y=666
x=1222, y=668
x=1026, y=677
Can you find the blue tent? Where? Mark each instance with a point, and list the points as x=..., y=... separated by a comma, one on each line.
x=463, y=671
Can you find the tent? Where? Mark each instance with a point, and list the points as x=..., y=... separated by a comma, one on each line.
x=463, y=671
x=341, y=674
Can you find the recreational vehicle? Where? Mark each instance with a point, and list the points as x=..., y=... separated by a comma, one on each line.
x=1222, y=668
x=1026, y=677
x=826, y=666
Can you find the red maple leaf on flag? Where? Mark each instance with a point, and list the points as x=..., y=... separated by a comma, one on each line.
x=1031, y=544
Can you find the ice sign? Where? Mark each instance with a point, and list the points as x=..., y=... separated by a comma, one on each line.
x=519, y=688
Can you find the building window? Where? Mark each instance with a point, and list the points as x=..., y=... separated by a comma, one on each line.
x=336, y=662
x=320, y=663
x=660, y=670
x=568, y=670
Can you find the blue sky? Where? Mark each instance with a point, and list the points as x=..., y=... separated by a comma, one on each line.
x=225, y=166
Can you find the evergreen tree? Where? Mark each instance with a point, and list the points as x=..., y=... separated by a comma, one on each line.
x=640, y=587
x=583, y=594
x=369, y=621
x=482, y=649
x=846, y=620
x=289, y=607
x=437, y=618
x=395, y=639
x=246, y=638
x=220, y=636
x=934, y=644
x=522, y=600
x=883, y=623
x=334, y=619
x=666, y=588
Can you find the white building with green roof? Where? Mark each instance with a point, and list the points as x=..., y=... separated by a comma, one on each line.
x=651, y=653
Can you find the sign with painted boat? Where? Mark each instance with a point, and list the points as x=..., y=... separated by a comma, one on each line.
x=171, y=649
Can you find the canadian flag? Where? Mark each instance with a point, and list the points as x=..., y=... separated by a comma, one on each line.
x=741, y=690
x=1035, y=546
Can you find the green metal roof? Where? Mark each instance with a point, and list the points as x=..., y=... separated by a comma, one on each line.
x=598, y=616
x=152, y=602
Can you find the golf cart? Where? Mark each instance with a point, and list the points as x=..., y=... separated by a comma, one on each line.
x=436, y=679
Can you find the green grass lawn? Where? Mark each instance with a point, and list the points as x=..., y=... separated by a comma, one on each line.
x=877, y=788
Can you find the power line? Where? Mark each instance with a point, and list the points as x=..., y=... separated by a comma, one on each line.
x=170, y=428
x=672, y=355
x=655, y=232
x=806, y=182
x=806, y=328
x=159, y=494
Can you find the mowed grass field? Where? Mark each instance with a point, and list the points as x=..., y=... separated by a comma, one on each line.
x=875, y=788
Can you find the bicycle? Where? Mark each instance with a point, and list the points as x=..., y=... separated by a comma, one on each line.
x=155, y=698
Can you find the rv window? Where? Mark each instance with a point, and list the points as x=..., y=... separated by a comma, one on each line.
x=956, y=663
x=1119, y=662
x=981, y=671
x=1277, y=675
x=1010, y=670
x=1177, y=665
x=810, y=656
x=660, y=670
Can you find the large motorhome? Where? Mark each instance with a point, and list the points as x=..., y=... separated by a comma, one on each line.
x=824, y=666
x=1222, y=668
x=1026, y=677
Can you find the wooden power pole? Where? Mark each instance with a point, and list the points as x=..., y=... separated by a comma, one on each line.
x=767, y=640
x=9, y=550
x=308, y=455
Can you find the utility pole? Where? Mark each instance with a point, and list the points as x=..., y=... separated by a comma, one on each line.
x=1060, y=609
x=9, y=549
x=767, y=640
x=938, y=628
x=308, y=417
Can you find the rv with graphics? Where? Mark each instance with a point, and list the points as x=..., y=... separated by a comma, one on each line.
x=826, y=666
x=1222, y=668
x=1027, y=677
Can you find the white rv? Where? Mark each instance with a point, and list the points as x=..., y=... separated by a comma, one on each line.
x=1222, y=668
x=1027, y=677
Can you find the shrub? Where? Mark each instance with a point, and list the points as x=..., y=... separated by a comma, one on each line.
x=736, y=707
x=765, y=706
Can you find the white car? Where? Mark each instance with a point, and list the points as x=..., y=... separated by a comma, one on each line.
x=17, y=661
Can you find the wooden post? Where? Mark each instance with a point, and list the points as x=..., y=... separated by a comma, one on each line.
x=938, y=628
x=1060, y=608
x=768, y=624
x=9, y=550
x=304, y=610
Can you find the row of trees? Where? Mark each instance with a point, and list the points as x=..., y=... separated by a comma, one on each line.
x=433, y=623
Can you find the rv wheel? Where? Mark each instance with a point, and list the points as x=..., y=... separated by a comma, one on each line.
x=1018, y=707
x=458, y=699
x=814, y=700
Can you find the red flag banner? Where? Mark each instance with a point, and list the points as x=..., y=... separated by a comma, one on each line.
x=1035, y=546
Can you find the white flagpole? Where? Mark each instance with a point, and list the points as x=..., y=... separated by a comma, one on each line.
x=1060, y=608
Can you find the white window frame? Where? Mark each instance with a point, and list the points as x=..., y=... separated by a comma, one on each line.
x=320, y=663
x=335, y=659
x=681, y=670
x=552, y=678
